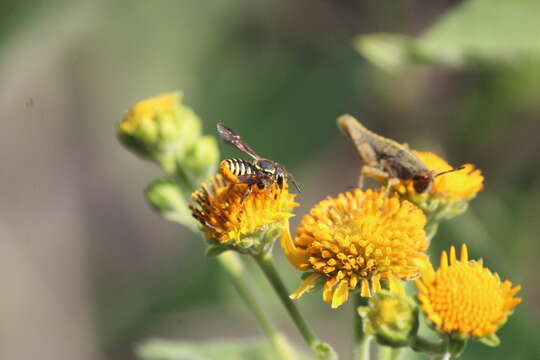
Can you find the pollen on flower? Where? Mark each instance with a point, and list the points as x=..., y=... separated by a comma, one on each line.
x=226, y=214
x=465, y=298
x=459, y=185
x=356, y=240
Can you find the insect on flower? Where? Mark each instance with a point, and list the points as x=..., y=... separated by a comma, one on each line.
x=262, y=172
x=387, y=159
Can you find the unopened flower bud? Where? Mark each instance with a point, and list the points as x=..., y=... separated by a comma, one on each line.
x=391, y=318
x=201, y=159
x=166, y=198
x=161, y=129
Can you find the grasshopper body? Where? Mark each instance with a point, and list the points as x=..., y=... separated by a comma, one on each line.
x=385, y=158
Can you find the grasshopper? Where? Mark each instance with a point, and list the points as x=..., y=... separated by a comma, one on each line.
x=386, y=159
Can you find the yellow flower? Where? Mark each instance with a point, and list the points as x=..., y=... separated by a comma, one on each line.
x=355, y=240
x=464, y=298
x=461, y=185
x=150, y=109
x=226, y=214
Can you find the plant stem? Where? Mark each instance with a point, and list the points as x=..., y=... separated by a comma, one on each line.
x=234, y=268
x=388, y=353
x=265, y=263
x=427, y=346
x=445, y=356
x=361, y=340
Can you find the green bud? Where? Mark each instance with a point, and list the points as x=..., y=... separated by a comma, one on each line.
x=391, y=318
x=201, y=159
x=160, y=129
x=167, y=199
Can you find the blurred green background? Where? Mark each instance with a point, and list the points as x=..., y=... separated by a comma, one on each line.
x=88, y=270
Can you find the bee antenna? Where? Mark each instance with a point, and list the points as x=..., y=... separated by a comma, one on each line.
x=451, y=170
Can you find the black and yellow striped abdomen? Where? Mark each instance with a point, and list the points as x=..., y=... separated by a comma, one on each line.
x=231, y=169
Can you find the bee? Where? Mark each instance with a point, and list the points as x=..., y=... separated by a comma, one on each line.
x=387, y=159
x=261, y=172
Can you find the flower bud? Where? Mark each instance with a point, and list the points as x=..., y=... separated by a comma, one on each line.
x=167, y=199
x=160, y=129
x=201, y=159
x=391, y=318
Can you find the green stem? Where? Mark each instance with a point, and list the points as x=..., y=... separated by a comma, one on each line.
x=234, y=268
x=361, y=339
x=388, y=353
x=421, y=344
x=265, y=263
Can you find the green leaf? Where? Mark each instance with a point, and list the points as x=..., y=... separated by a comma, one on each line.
x=166, y=198
x=159, y=349
x=474, y=32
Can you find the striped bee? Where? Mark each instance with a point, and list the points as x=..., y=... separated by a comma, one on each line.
x=262, y=172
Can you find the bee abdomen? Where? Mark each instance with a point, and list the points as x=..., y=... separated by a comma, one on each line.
x=230, y=169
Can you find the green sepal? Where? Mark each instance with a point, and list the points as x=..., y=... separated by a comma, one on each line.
x=491, y=340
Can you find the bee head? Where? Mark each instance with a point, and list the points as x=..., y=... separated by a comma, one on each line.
x=422, y=181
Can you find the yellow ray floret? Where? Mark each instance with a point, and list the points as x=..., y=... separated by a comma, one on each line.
x=356, y=240
x=463, y=297
x=227, y=214
x=459, y=185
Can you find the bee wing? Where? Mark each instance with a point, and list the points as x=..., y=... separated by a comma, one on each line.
x=231, y=137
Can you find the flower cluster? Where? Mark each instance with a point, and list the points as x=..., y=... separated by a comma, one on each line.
x=362, y=242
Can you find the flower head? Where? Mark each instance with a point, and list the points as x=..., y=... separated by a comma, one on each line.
x=449, y=193
x=463, y=298
x=164, y=130
x=355, y=240
x=391, y=317
x=228, y=215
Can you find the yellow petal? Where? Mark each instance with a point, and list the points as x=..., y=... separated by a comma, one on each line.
x=364, y=291
x=452, y=255
x=444, y=260
x=396, y=285
x=464, y=254
x=328, y=290
x=341, y=294
x=306, y=285
x=295, y=255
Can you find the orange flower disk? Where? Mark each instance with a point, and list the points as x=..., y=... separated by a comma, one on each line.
x=226, y=214
x=464, y=297
x=357, y=239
